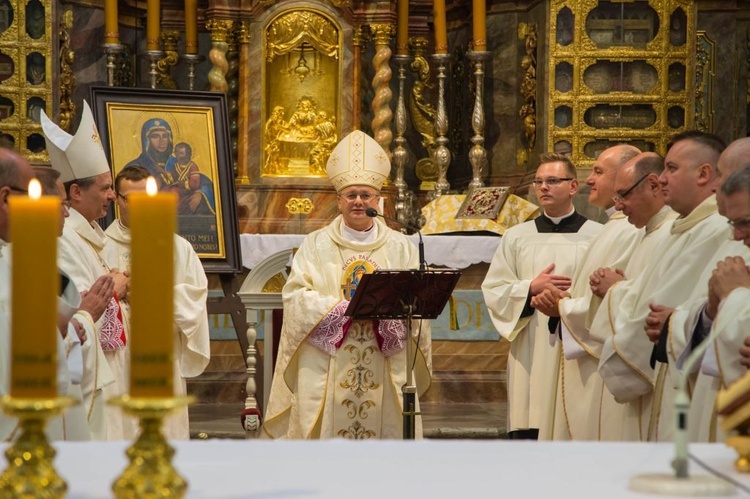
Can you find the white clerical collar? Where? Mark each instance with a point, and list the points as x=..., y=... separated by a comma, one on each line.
x=557, y=220
x=361, y=236
x=610, y=211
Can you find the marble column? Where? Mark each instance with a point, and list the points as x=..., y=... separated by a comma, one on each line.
x=359, y=40
x=243, y=104
x=219, y=29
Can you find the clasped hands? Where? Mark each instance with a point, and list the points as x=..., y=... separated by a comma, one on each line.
x=547, y=289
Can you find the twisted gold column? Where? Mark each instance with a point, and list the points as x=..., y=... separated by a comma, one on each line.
x=219, y=29
x=381, y=121
x=359, y=39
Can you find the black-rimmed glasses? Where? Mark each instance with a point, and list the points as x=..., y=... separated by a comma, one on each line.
x=620, y=196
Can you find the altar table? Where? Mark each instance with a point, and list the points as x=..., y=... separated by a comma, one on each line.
x=392, y=469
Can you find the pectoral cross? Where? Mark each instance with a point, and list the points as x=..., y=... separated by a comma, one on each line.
x=348, y=289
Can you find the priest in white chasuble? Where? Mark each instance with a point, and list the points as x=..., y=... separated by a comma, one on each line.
x=191, y=332
x=640, y=198
x=690, y=323
x=688, y=182
x=579, y=387
x=532, y=255
x=85, y=174
x=334, y=377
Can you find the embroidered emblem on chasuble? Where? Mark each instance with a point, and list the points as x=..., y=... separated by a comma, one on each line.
x=359, y=366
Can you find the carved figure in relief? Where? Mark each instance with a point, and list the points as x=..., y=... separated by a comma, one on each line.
x=302, y=123
x=275, y=126
x=325, y=140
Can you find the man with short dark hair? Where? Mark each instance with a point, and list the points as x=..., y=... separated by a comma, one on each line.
x=531, y=256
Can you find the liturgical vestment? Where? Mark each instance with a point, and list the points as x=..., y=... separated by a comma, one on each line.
x=720, y=364
x=352, y=390
x=579, y=387
x=534, y=359
x=79, y=256
x=191, y=332
x=625, y=364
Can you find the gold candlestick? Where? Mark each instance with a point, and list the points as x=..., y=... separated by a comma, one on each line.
x=150, y=474
x=478, y=154
x=442, y=153
x=30, y=472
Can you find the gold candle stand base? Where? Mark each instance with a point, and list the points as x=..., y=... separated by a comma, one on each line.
x=741, y=444
x=30, y=472
x=150, y=473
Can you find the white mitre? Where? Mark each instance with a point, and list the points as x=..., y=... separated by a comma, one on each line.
x=358, y=160
x=76, y=156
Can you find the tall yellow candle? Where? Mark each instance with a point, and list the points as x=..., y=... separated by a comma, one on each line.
x=191, y=26
x=152, y=24
x=153, y=219
x=34, y=226
x=402, y=28
x=441, y=31
x=479, y=25
x=111, y=31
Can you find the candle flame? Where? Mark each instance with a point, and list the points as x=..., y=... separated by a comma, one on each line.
x=151, y=186
x=35, y=189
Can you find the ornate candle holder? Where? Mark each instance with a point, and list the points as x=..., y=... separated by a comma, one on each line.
x=30, y=472
x=150, y=473
x=112, y=50
x=154, y=56
x=478, y=154
x=442, y=153
x=400, y=153
x=192, y=60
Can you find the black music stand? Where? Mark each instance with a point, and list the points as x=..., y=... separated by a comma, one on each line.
x=407, y=295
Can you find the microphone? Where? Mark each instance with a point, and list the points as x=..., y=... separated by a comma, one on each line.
x=372, y=212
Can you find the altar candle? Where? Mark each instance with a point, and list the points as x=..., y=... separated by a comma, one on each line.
x=402, y=28
x=152, y=24
x=34, y=226
x=111, y=31
x=441, y=33
x=153, y=219
x=479, y=25
x=191, y=26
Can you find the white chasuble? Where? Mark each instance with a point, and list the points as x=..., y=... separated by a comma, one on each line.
x=353, y=390
x=618, y=421
x=192, y=348
x=579, y=387
x=79, y=256
x=720, y=363
x=625, y=364
x=534, y=358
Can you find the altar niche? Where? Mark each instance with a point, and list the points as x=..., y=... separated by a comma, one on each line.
x=301, y=93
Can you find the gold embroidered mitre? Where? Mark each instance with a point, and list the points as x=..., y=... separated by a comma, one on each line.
x=358, y=160
x=76, y=156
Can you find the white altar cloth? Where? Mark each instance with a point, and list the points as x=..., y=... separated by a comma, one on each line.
x=457, y=252
x=427, y=468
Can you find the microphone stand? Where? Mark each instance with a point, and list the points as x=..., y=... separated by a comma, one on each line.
x=409, y=389
x=681, y=483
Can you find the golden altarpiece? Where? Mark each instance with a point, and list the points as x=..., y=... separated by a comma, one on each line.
x=29, y=70
x=619, y=71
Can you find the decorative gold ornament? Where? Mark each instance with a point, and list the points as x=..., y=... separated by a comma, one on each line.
x=299, y=206
x=150, y=474
x=30, y=472
x=527, y=113
x=705, y=70
x=302, y=53
x=67, y=77
x=422, y=112
x=168, y=39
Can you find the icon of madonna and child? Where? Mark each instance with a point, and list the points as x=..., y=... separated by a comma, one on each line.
x=173, y=168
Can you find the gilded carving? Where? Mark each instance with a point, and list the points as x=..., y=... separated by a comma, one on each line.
x=381, y=101
x=704, y=78
x=299, y=206
x=67, y=77
x=169, y=39
x=422, y=112
x=274, y=284
x=302, y=53
x=527, y=112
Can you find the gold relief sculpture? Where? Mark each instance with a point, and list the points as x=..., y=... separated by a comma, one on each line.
x=422, y=112
x=299, y=206
x=528, y=88
x=302, y=86
x=169, y=39
x=704, y=78
x=275, y=284
x=67, y=77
